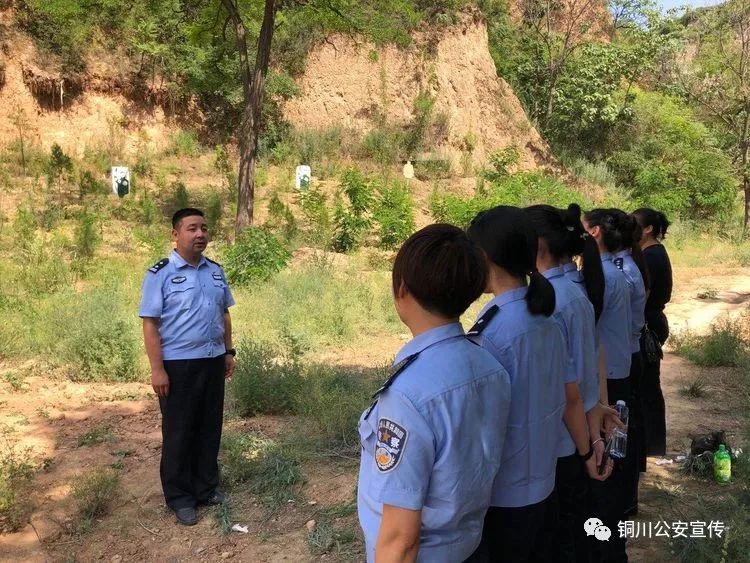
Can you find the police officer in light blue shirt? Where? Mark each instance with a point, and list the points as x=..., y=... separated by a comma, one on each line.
x=521, y=334
x=624, y=261
x=433, y=438
x=188, y=337
x=614, y=330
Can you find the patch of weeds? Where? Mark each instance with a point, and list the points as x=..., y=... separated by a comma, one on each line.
x=223, y=517
x=264, y=467
x=723, y=346
x=699, y=465
x=15, y=379
x=694, y=390
x=16, y=473
x=709, y=293
x=331, y=535
x=97, y=435
x=42, y=413
x=93, y=493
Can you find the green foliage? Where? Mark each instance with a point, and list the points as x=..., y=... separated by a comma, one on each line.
x=316, y=215
x=94, y=492
x=99, y=341
x=501, y=162
x=255, y=256
x=393, y=214
x=671, y=162
x=384, y=145
x=86, y=240
x=267, y=379
x=520, y=189
x=88, y=184
x=180, y=197
x=214, y=210
x=352, y=220
x=16, y=473
x=59, y=163
x=185, y=143
x=261, y=465
x=695, y=389
x=281, y=218
x=724, y=346
x=96, y=435
x=432, y=169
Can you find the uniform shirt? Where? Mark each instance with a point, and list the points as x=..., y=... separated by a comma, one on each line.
x=532, y=349
x=615, y=322
x=574, y=314
x=574, y=274
x=190, y=301
x=433, y=442
x=624, y=261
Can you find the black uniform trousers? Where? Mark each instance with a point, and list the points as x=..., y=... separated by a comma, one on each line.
x=654, y=412
x=635, y=460
x=609, y=498
x=572, y=488
x=518, y=535
x=192, y=416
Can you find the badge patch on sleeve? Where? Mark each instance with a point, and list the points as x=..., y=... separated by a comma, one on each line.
x=389, y=445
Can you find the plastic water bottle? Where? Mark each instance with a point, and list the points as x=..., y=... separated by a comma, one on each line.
x=620, y=437
x=722, y=465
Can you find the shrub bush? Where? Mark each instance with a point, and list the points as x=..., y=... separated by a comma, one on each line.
x=94, y=493
x=281, y=218
x=255, y=256
x=267, y=380
x=180, y=197
x=351, y=221
x=432, y=169
x=724, y=346
x=316, y=216
x=15, y=476
x=394, y=214
x=185, y=143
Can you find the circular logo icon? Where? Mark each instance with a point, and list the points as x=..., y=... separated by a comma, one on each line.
x=591, y=525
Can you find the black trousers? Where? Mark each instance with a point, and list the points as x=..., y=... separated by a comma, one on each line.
x=654, y=411
x=192, y=416
x=572, y=488
x=609, y=499
x=518, y=534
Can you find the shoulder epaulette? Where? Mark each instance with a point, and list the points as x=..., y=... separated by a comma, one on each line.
x=396, y=370
x=483, y=321
x=159, y=265
x=619, y=262
x=212, y=261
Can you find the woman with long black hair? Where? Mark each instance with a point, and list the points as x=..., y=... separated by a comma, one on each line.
x=613, y=331
x=574, y=313
x=654, y=225
x=516, y=327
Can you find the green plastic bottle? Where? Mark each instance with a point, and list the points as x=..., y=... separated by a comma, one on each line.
x=722, y=465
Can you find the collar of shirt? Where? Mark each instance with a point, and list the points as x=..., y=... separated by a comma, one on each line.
x=569, y=267
x=606, y=256
x=622, y=253
x=554, y=272
x=508, y=297
x=428, y=338
x=180, y=262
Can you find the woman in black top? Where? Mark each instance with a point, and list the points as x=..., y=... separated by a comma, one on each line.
x=655, y=225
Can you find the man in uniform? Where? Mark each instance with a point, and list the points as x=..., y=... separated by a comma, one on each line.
x=187, y=331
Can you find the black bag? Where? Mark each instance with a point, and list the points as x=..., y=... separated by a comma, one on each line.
x=651, y=347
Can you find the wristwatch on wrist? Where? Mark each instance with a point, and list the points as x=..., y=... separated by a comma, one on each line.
x=231, y=351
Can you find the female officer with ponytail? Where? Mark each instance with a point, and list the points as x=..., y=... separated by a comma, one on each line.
x=575, y=315
x=517, y=329
x=629, y=259
x=613, y=330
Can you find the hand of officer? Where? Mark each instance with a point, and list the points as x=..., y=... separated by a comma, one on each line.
x=610, y=421
x=228, y=366
x=160, y=382
x=592, y=465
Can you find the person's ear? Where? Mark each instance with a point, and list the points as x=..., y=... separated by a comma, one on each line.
x=174, y=235
x=648, y=230
x=401, y=292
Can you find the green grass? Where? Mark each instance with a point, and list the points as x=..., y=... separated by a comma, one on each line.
x=724, y=346
x=93, y=493
x=336, y=532
x=16, y=473
x=695, y=389
x=97, y=435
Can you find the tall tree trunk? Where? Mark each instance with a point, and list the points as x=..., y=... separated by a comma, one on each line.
x=746, y=189
x=253, y=87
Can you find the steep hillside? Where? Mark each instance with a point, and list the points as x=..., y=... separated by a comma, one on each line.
x=349, y=83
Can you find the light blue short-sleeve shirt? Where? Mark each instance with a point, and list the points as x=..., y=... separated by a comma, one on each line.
x=190, y=302
x=615, y=323
x=575, y=315
x=433, y=442
x=532, y=350
x=624, y=261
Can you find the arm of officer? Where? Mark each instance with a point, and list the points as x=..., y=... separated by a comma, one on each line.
x=398, y=539
x=152, y=341
x=228, y=359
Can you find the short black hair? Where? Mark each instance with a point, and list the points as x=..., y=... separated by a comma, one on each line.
x=180, y=214
x=651, y=218
x=442, y=268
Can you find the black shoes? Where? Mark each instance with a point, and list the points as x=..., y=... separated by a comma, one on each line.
x=217, y=498
x=186, y=516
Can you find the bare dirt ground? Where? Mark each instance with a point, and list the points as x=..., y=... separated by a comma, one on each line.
x=50, y=415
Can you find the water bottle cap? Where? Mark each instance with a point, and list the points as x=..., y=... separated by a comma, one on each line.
x=621, y=403
x=722, y=447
